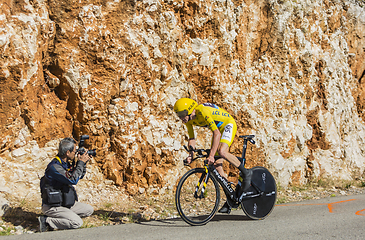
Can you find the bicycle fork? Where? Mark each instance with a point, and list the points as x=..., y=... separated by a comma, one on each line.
x=203, y=180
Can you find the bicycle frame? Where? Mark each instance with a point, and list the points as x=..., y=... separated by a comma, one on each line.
x=257, y=202
x=210, y=170
x=221, y=180
x=245, y=140
x=229, y=191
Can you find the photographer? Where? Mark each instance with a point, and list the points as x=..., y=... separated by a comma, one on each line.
x=60, y=204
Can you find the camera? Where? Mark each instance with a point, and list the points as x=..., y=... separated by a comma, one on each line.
x=82, y=150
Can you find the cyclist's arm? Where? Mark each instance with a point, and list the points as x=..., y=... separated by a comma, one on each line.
x=190, y=131
x=216, y=134
x=191, y=143
x=216, y=139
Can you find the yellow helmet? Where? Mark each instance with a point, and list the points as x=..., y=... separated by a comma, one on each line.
x=184, y=107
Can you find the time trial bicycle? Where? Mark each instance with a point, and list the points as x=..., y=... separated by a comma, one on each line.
x=198, y=193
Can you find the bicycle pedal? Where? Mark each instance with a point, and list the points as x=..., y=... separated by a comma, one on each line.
x=231, y=203
x=225, y=209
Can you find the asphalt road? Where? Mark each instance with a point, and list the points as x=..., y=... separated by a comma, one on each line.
x=330, y=218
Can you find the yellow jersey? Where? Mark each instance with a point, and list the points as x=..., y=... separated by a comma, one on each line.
x=211, y=116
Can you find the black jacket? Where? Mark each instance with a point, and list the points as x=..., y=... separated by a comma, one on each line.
x=58, y=179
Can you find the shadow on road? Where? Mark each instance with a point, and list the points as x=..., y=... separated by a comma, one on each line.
x=178, y=222
x=29, y=220
x=230, y=217
x=117, y=217
x=18, y=216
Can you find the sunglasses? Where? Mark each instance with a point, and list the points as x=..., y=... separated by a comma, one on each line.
x=182, y=114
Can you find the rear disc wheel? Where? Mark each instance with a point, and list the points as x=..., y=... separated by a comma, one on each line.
x=260, y=207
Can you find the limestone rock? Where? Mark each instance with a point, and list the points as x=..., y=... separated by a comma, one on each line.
x=290, y=72
x=4, y=206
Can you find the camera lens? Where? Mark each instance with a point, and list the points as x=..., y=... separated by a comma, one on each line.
x=92, y=152
x=81, y=151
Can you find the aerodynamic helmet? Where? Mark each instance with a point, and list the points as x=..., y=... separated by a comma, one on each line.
x=184, y=107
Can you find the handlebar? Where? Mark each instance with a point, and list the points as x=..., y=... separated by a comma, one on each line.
x=204, y=153
x=201, y=153
x=249, y=138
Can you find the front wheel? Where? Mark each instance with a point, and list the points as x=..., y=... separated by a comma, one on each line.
x=196, y=201
x=264, y=184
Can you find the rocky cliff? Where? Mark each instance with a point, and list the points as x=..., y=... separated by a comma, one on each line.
x=290, y=72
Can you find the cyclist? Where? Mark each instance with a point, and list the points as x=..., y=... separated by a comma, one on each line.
x=224, y=128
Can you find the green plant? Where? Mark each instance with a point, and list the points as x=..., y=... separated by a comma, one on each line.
x=105, y=217
x=130, y=218
x=164, y=214
x=361, y=3
x=362, y=183
x=299, y=189
x=321, y=183
x=6, y=231
x=325, y=183
x=279, y=187
x=87, y=225
x=108, y=205
x=281, y=200
x=23, y=202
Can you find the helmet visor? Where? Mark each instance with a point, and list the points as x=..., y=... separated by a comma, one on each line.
x=182, y=114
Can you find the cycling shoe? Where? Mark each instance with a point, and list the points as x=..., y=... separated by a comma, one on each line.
x=246, y=183
x=225, y=209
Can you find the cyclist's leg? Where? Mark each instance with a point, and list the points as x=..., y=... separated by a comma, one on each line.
x=218, y=164
x=223, y=151
x=228, y=134
x=226, y=208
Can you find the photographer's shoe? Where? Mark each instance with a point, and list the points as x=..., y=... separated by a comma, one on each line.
x=43, y=226
x=225, y=209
